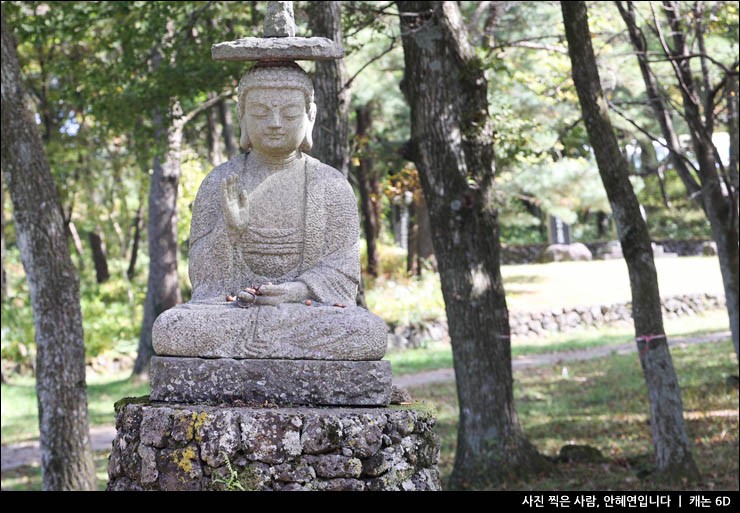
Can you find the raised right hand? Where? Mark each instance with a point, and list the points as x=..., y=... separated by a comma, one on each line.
x=235, y=204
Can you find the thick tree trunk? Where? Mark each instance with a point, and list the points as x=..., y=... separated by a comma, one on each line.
x=331, y=131
x=452, y=148
x=66, y=455
x=163, y=288
x=227, y=128
x=671, y=442
x=369, y=187
x=100, y=256
x=426, y=245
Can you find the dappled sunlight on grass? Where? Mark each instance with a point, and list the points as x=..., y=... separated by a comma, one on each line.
x=603, y=403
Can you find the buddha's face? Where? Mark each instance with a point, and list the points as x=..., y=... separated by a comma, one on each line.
x=276, y=120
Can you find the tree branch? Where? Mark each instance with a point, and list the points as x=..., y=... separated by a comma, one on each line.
x=368, y=63
x=186, y=118
x=653, y=138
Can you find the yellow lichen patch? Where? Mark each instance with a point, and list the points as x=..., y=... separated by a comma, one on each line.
x=199, y=420
x=184, y=459
x=194, y=425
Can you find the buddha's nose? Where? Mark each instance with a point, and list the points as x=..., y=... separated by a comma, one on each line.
x=275, y=121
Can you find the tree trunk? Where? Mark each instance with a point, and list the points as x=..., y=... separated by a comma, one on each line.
x=163, y=288
x=660, y=110
x=452, y=147
x=214, y=134
x=66, y=455
x=666, y=410
x=369, y=187
x=426, y=247
x=721, y=207
x=331, y=131
x=131, y=271
x=4, y=288
x=100, y=256
x=227, y=128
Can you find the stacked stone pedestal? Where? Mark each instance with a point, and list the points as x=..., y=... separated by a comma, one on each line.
x=228, y=424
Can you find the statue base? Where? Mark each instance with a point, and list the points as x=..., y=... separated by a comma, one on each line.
x=188, y=447
x=252, y=382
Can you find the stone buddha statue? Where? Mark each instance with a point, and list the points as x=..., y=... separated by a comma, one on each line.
x=278, y=230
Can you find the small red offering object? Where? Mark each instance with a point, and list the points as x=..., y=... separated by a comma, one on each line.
x=230, y=298
x=340, y=305
x=307, y=302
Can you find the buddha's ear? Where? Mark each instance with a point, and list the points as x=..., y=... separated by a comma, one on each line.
x=307, y=142
x=244, y=141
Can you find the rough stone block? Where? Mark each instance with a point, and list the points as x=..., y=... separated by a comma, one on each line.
x=268, y=449
x=277, y=382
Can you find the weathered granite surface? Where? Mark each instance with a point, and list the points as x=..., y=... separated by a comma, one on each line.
x=178, y=447
x=276, y=382
x=277, y=49
x=279, y=20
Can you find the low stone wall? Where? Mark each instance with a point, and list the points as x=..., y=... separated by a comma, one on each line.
x=190, y=447
x=560, y=320
x=531, y=324
x=530, y=253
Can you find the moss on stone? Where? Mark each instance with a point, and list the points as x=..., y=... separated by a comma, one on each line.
x=122, y=403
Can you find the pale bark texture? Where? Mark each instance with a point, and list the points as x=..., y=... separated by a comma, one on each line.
x=452, y=147
x=331, y=131
x=716, y=188
x=673, y=454
x=66, y=455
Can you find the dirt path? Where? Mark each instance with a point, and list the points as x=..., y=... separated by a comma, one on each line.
x=27, y=453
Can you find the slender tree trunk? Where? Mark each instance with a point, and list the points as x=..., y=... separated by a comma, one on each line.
x=331, y=130
x=657, y=103
x=227, y=128
x=163, y=288
x=452, y=148
x=718, y=200
x=66, y=455
x=131, y=271
x=666, y=410
x=100, y=256
x=369, y=186
x=4, y=287
x=412, y=253
x=215, y=134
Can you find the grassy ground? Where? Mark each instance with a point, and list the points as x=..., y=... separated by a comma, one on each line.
x=603, y=403
x=19, y=411
x=439, y=355
x=545, y=286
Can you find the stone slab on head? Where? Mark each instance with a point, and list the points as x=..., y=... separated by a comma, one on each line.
x=277, y=49
x=279, y=382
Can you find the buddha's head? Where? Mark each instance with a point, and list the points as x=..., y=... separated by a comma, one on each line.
x=276, y=109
